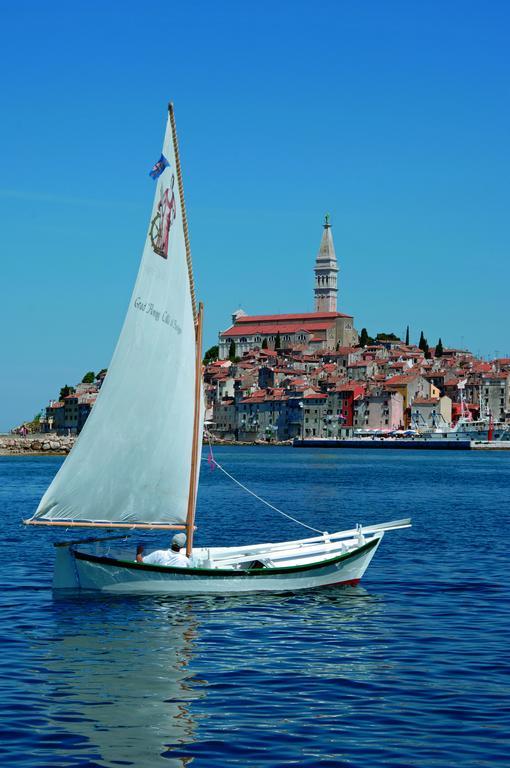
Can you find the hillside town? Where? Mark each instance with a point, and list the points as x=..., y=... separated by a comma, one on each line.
x=277, y=377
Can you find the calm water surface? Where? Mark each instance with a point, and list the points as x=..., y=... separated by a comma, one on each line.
x=409, y=670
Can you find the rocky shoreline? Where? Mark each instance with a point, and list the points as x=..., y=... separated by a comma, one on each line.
x=52, y=445
x=55, y=445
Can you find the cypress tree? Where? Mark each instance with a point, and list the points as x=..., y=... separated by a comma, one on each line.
x=211, y=355
x=277, y=341
x=363, y=338
x=264, y=343
x=421, y=341
x=439, y=349
x=232, y=351
x=407, y=336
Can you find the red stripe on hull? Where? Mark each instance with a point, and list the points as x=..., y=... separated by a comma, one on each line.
x=349, y=583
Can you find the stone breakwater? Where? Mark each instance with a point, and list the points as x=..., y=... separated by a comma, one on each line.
x=15, y=445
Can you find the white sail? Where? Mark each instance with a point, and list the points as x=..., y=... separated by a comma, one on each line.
x=132, y=460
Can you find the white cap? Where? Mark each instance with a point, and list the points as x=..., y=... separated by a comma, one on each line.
x=179, y=539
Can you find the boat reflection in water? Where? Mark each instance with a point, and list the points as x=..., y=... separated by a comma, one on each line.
x=120, y=681
x=149, y=682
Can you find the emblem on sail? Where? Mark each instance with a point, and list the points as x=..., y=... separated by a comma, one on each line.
x=166, y=211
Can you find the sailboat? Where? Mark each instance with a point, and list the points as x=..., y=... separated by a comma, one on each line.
x=136, y=463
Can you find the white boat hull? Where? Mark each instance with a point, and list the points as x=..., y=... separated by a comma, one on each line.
x=77, y=570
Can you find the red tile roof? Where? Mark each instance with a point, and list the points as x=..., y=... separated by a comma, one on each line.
x=266, y=330
x=308, y=316
x=340, y=352
x=399, y=380
x=350, y=387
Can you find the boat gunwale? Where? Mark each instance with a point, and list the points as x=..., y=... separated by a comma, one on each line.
x=224, y=572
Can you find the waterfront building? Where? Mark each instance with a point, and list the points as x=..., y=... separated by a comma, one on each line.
x=431, y=412
x=54, y=421
x=71, y=413
x=314, y=412
x=493, y=395
x=379, y=409
x=340, y=406
x=410, y=386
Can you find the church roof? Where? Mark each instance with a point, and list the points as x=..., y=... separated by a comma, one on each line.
x=309, y=316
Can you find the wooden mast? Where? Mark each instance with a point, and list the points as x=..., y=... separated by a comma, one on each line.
x=196, y=443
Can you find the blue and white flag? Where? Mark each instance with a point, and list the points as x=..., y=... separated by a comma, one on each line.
x=159, y=167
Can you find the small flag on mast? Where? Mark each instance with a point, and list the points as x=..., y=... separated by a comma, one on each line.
x=159, y=167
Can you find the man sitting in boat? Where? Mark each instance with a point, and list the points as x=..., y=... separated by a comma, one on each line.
x=172, y=556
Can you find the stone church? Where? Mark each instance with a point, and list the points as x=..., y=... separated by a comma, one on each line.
x=309, y=332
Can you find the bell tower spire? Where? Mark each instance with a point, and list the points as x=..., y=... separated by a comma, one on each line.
x=326, y=270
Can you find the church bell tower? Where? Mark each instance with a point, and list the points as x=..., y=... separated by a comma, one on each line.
x=326, y=270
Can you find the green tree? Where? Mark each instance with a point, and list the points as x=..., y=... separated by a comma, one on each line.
x=364, y=338
x=277, y=341
x=386, y=337
x=264, y=343
x=67, y=390
x=407, y=336
x=232, y=351
x=102, y=372
x=439, y=349
x=211, y=355
x=88, y=378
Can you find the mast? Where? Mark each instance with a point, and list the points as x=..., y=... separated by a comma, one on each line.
x=198, y=318
x=195, y=448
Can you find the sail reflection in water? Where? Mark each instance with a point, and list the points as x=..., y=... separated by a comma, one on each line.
x=123, y=694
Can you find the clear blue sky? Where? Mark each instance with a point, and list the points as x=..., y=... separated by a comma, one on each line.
x=392, y=116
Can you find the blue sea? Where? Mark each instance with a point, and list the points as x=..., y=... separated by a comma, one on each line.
x=411, y=668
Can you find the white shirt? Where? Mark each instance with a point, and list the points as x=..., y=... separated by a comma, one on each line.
x=167, y=557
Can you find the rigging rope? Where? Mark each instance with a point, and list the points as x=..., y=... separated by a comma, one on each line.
x=212, y=460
